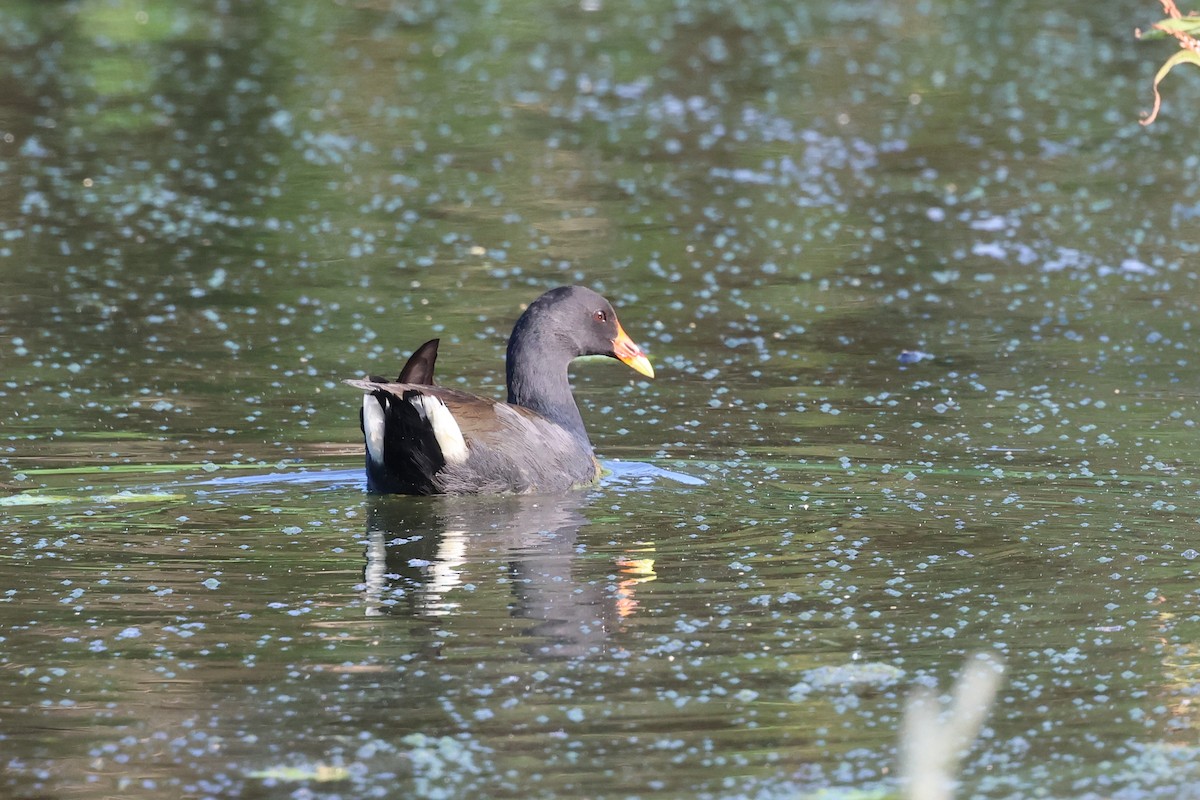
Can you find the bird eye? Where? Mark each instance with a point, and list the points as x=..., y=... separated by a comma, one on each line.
x=600, y=316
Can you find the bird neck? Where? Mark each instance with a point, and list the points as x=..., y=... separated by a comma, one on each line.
x=539, y=382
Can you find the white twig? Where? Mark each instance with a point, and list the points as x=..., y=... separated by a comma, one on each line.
x=932, y=741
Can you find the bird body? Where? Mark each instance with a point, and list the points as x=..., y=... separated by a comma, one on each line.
x=422, y=438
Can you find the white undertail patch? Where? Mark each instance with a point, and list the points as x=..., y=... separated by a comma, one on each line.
x=373, y=423
x=445, y=427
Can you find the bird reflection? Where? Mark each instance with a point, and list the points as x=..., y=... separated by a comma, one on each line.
x=421, y=550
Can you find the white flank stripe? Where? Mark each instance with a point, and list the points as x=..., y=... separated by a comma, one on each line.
x=445, y=428
x=373, y=421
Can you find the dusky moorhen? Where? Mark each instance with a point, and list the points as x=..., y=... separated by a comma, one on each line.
x=427, y=439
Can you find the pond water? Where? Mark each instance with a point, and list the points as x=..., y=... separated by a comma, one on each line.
x=918, y=289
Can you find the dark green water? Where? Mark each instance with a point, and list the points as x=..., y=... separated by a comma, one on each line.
x=212, y=212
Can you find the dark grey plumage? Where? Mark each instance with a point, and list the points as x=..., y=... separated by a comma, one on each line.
x=427, y=439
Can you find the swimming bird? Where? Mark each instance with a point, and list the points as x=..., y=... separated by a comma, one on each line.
x=422, y=438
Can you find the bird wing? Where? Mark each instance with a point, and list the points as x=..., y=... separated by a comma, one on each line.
x=455, y=441
x=419, y=367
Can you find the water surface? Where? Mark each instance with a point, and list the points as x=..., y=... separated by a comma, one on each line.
x=211, y=213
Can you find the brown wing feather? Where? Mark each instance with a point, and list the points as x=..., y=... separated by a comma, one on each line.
x=419, y=367
x=511, y=448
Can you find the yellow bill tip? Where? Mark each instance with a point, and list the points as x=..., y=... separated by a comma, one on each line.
x=640, y=364
x=627, y=351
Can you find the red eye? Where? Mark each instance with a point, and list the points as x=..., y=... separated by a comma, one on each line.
x=600, y=316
